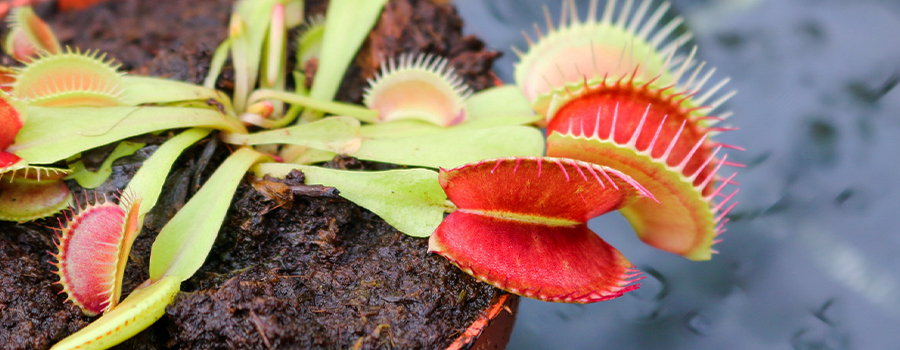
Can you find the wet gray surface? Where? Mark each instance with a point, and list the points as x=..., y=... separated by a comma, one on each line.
x=811, y=259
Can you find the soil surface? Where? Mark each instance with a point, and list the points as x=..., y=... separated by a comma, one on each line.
x=314, y=272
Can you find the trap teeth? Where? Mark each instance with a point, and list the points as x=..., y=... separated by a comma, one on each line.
x=92, y=251
x=591, y=49
x=659, y=137
x=421, y=87
x=70, y=79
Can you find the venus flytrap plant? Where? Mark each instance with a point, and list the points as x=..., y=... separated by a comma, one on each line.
x=500, y=194
x=424, y=118
x=662, y=141
x=540, y=227
x=593, y=49
x=63, y=91
x=418, y=87
x=95, y=242
x=29, y=35
x=605, y=106
x=92, y=251
x=70, y=79
x=632, y=106
x=32, y=193
x=171, y=264
x=26, y=192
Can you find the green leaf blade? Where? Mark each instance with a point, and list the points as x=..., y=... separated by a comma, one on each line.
x=452, y=148
x=410, y=200
x=93, y=179
x=147, y=183
x=53, y=134
x=142, y=90
x=137, y=312
x=183, y=244
x=347, y=23
x=504, y=100
x=334, y=134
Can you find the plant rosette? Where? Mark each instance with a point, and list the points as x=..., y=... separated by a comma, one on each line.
x=517, y=221
x=67, y=118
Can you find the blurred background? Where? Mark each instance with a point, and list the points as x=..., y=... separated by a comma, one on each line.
x=811, y=258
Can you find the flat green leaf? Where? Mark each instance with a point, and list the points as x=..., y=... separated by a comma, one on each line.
x=52, y=134
x=507, y=100
x=502, y=120
x=347, y=23
x=183, y=244
x=412, y=127
x=143, y=90
x=452, y=148
x=147, y=183
x=91, y=179
x=137, y=312
x=400, y=128
x=335, y=134
x=411, y=200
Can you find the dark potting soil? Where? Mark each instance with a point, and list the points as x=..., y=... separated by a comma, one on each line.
x=314, y=272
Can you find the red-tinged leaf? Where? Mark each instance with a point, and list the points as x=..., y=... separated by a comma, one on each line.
x=598, y=45
x=71, y=79
x=11, y=120
x=418, y=87
x=8, y=160
x=90, y=253
x=88, y=256
x=643, y=118
x=130, y=232
x=551, y=263
x=550, y=191
x=32, y=193
x=684, y=221
x=522, y=226
x=29, y=36
x=7, y=78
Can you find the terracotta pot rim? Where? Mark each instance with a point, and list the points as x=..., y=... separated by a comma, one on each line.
x=490, y=319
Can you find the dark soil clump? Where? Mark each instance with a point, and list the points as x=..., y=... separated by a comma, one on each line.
x=32, y=313
x=315, y=272
x=323, y=274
